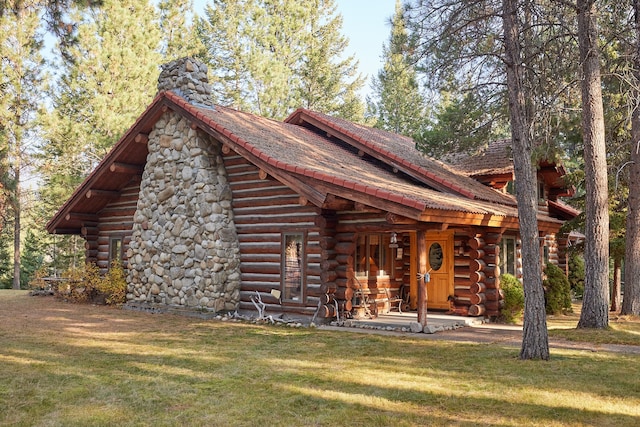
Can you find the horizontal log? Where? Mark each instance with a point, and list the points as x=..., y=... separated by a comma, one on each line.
x=326, y=222
x=494, y=305
x=477, y=276
x=494, y=294
x=89, y=231
x=327, y=242
x=344, y=259
x=461, y=301
x=476, y=253
x=477, y=287
x=477, y=310
x=253, y=257
x=345, y=237
x=329, y=264
x=91, y=253
x=476, y=243
x=492, y=238
x=491, y=259
x=345, y=248
x=328, y=276
x=491, y=282
x=90, y=245
x=480, y=265
x=328, y=287
x=344, y=293
x=478, y=298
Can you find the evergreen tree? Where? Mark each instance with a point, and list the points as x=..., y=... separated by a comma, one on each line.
x=270, y=57
x=178, y=38
x=398, y=104
x=21, y=82
x=329, y=84
x=32, y=258
x=109, y=80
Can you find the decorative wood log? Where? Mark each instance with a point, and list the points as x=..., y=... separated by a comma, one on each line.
x=327, y=243
x=494, y=305
x=344, y=259
x=141, y=138
x=477, y=287
x=478, y=298
x=91, y=244
x=329, y=264
x=476, y=243
x=476, y=253
x=324, y=222
x=328, y=288
x=494, y=294
x=344, y=293
x=491, y=259
x=477, y=276
x=492, y=238
x=328, y=276
x=477, y=310
x=126, y=168
x=461, y=301
x=89, y=231
x=345, y=248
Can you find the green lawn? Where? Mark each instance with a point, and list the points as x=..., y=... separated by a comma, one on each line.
x=82, y=365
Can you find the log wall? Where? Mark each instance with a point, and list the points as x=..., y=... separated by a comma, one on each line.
x=115, y=220
x=263, y=209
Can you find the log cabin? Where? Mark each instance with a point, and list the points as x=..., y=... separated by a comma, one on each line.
x=210, y=208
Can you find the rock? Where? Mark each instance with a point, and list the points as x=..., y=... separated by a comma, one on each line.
x=415, y=327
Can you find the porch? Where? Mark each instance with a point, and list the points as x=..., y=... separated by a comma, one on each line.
x=406, y=322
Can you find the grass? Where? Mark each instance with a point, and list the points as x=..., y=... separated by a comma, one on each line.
x=83, y=365
x=624, y=330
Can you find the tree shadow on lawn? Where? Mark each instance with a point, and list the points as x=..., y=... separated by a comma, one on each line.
x=96, y=365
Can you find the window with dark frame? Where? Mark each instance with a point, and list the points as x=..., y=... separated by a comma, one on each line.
x=115, y=250
x=293, y=267
x=508, y=255
x=374, y=256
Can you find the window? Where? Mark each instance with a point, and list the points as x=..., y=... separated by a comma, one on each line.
x=541, y=197
x=293, y=267
x=508, y=255
x=373, y=256
x=115, y=250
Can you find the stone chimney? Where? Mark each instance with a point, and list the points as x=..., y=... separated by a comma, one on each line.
x=187, y=77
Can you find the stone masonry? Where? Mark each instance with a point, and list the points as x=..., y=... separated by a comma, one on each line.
x=184, y=250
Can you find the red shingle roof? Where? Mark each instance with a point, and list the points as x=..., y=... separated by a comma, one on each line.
x=311, y=157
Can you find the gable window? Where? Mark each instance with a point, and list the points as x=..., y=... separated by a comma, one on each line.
x=293, y=267
x=373, y=255
x=508, y=255
x=115, y=250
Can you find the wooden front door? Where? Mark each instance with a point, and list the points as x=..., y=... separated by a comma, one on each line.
x=440, y=266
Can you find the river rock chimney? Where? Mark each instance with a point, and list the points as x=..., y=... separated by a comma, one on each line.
x=187, y=77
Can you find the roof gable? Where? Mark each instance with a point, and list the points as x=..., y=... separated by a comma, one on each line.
x=399, y=152
x=312, y=164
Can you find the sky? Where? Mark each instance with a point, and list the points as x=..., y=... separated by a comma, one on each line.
x=366, y=23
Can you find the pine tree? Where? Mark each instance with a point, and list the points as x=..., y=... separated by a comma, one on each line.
x=109, y=80
x=329, y=84
x=270, y=57
x=178, y=38
x=21, y=82
x=398, y=103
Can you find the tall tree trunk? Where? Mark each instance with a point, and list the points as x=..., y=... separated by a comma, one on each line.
x=16, y=227
x=595, y=305
x=616, y=296
x=631, y=301
x=535, y=339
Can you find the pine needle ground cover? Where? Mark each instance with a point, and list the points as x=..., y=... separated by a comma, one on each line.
x=81, y=365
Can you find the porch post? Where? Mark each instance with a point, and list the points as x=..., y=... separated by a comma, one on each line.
x=422, y=284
